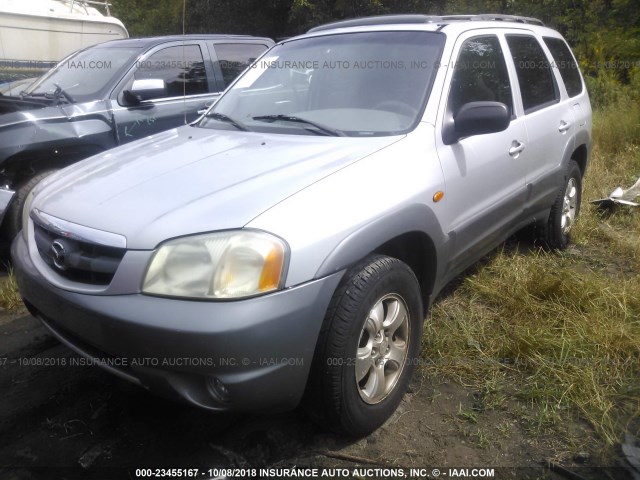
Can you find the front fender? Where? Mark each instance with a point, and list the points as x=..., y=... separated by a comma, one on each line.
x=51, y=131
x=31, y=148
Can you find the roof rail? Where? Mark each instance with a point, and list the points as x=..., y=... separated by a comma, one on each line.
x=417, y=19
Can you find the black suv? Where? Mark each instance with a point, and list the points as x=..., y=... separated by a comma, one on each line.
x=107, y=95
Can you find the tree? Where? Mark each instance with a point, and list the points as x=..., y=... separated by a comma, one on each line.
x=145, y=18
x=605, y=34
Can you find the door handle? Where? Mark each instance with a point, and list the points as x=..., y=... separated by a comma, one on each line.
x=564, y=126
x=516, y=148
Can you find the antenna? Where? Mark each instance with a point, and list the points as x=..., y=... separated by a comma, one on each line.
x=184, y=63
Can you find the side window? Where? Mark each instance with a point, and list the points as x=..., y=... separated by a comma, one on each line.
x=234, y=58
x=535, y=77
x=480, y=74
x=566, y=64
x=181, y=67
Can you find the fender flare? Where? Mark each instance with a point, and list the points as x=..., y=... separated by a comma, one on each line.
x=367, y=238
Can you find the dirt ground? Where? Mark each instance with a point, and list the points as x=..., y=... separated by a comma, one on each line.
x=81, y=422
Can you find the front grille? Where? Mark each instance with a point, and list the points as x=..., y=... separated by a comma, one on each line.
x=77, y=260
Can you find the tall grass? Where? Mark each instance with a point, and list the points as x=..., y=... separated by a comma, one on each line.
x=617, y=130
x=559, y=335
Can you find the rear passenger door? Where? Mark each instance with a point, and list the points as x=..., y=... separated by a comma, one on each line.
x=484, y=174
x=548, y=116
x=190, y=87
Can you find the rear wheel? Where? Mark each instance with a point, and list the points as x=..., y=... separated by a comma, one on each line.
x=13, y=218
x=368, y=348
x=564, y=212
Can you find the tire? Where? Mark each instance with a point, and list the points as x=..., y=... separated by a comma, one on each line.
x=358, y=379
x=13, y=218
x=564, y=212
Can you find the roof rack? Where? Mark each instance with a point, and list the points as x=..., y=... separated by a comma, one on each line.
x=86, y=3
x=417, y=19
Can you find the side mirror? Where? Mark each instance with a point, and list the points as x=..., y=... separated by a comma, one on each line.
x=476, y=118
x=145, y=89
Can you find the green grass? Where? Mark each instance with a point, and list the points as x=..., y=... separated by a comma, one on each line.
x=554, y=337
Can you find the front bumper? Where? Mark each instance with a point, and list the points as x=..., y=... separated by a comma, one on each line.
x=6, y=196
x=260, y=349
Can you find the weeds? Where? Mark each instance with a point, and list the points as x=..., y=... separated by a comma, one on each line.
x=10, y=299
x=467, y=415
x=505, y=428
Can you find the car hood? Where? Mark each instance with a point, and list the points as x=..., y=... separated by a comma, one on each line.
x=16, y=111
x=11, y=108
x=190, y=180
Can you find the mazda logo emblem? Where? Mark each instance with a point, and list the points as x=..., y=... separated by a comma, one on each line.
x=59, y=255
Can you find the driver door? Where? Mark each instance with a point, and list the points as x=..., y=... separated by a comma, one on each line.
x=484, y=174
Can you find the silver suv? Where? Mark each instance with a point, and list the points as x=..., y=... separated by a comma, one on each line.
x=292, y=239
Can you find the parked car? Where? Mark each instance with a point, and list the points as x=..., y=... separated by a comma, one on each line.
x=294, y=238
x=15, y=87
x=108, y=95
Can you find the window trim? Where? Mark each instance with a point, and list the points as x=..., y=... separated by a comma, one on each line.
x=159, y=101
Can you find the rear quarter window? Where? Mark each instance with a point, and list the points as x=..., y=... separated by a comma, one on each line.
x=566, y=65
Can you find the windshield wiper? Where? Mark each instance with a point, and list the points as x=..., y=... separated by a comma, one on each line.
x=23, y=93
x=226, y=118
x=39, y=97
x=59, y=93
x=292, y=118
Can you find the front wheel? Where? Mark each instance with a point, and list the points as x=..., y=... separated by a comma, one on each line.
x=13, y=219
x=369, y=345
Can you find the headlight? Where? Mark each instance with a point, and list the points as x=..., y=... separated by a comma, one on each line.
x=231, y=264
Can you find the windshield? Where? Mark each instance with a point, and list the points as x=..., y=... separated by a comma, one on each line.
x=83, y=75
x=357, y=84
